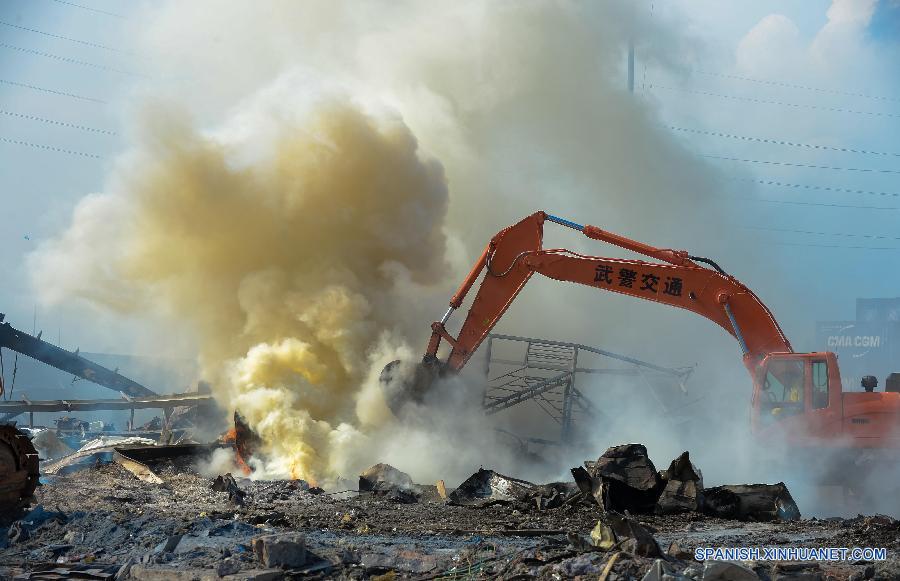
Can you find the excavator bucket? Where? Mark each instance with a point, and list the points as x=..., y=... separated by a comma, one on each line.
x=403, y=382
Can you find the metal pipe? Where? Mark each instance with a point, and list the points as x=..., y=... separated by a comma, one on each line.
x=737, y=329
x=564, y=222
x=447, y=315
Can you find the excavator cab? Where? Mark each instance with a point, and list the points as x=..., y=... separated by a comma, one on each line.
x=797, y=396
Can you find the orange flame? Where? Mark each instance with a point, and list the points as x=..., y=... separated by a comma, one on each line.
x=230, y=437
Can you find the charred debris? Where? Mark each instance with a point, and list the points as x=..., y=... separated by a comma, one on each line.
x=135, y=510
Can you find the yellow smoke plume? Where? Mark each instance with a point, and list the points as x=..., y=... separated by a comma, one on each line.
x=282, y=254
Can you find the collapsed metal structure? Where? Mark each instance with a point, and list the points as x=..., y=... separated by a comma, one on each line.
x=548, y=375
x=68, y=361
x=12, y=408
x=132, y=395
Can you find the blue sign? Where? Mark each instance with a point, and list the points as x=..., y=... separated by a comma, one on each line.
x=863, y=348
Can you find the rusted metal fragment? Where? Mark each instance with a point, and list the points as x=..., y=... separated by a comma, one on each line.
x=614, y=529
x=383, y=474
x=228, y=484
x=588, y=485
x=246, y=442
x=386, y=481
x=759, y=502
x=137, y=449
x=623, y=478
x=683, y=487
x=488, y=487
x=553, y=495
x=139, y=469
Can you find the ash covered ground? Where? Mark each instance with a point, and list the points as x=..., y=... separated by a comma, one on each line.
x=102, y=522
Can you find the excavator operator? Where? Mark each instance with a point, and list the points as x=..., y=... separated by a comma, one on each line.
x=784, y=388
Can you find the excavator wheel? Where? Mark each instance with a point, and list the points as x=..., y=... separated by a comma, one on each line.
x=19, y=471
x=402, y=382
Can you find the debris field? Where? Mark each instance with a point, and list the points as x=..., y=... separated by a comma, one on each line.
x=617, y=518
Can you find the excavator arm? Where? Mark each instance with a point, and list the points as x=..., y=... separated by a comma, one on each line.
x=675, y=278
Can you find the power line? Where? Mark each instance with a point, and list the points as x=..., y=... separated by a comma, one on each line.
x=793, y=86
x=781, y=142
x=89, y=8
x=831, y=245
x=66, y=59
x=781, y=103
x=792, y=202
x=813, y=232
x=806, y=165
x=55, y=122
x=818, y=188
x=52, y=91
x=84, y=42
x=49, y=148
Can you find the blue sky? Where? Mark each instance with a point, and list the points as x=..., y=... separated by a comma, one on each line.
x=841, y=58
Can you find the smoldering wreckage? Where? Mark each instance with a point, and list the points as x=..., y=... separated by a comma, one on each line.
x=128, y=508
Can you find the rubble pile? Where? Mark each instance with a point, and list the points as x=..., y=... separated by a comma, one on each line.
x=625, y=479
x=618, y=519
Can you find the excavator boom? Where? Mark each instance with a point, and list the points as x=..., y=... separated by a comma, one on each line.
x=797, y=399
x=677, y=279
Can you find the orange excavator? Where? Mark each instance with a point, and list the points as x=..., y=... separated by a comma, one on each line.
x=797, y=397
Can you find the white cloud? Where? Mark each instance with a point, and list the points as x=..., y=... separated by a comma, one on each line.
x=773, y=45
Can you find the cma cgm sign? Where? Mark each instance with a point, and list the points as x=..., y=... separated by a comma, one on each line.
x=864, y=348
x=870, y=341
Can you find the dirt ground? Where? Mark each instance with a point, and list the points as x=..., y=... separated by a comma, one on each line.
x=109, y=524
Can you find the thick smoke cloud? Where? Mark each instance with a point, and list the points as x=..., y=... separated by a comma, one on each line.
x=328, y=175
x=285, y=266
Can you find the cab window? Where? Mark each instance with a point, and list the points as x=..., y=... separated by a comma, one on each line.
x=784, y=382
x=819, y=384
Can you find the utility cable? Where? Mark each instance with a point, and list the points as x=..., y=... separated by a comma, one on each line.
x=97, y=10
x=831, y=245
x=813, y=232
x=55, y=122
x=52, y=91
x=84, y=42
x=793, y=86
x=67, y=59
x=781, y=142
x=804, y=165
x=814, y=187
x=792, y=202
x=49, y=148
x=772, y=102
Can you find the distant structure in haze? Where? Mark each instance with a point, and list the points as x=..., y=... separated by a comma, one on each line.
x=870, y=345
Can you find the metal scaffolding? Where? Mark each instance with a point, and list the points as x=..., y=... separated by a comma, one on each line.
x=548, y=375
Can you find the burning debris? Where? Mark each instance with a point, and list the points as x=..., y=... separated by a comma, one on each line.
x=246, y=442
